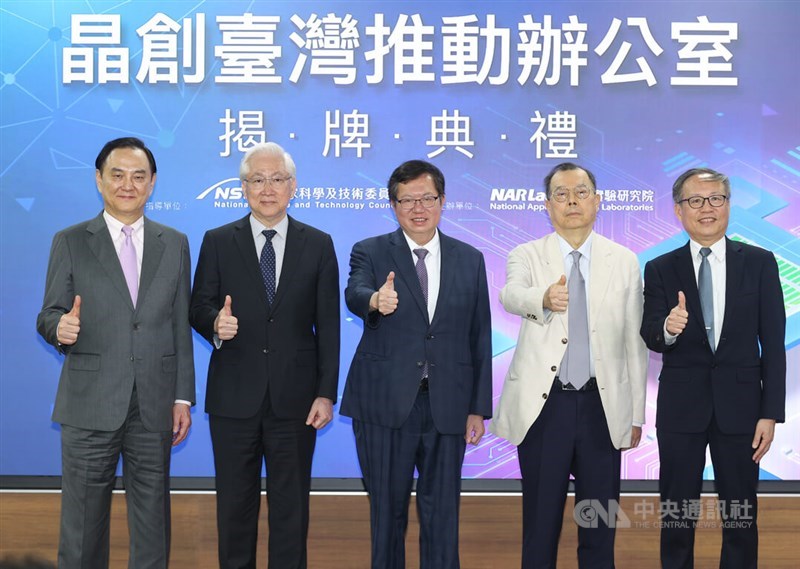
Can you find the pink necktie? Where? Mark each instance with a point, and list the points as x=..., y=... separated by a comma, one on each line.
x=127, y=258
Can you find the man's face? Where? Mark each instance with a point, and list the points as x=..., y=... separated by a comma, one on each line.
x=268, y=188
x=419, y=222
x=707, y=224
x=573, y=213
x=125, y=183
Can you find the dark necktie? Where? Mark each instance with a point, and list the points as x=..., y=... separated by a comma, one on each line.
x=706, y=290
x=267, y=263
x=575, y=365
x=422, y=275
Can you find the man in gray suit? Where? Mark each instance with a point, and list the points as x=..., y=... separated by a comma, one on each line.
x=116, y=304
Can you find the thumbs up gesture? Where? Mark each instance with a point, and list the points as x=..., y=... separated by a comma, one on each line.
x=384, y=300
x=226, y=324
x=556, y=297
x=69, y=326
x=678, y=316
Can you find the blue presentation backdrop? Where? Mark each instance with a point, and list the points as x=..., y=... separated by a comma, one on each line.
x=495, y=93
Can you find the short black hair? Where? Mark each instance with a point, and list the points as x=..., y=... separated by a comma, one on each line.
x=564, y=167
x=126, y=142
x=411, y=170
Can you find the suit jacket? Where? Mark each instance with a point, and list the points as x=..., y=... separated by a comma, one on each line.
x=384, y=376
x=615, y=311
x=119, y=345
x=745, y=379
x=289, y=349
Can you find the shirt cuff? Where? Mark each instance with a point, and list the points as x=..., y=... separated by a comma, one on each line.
x=189, y=403
x=669, y=339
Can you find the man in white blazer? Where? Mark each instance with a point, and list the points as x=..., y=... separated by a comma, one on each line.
x=574, y=395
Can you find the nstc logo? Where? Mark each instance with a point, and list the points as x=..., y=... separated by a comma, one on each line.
x=225, y=193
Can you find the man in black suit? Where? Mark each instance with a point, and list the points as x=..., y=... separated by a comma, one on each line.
x=266, y=296
x=714, y=309
x=420, y=385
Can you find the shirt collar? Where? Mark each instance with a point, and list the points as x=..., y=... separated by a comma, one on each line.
x=566, y=249
x=115, y=225
x=282, y=227
x=432, y=246
x=717, y=249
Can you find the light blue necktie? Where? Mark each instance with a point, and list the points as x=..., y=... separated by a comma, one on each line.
x=575, y=364
x=704, y=286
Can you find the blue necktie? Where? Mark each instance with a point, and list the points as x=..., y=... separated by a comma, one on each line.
x=267, y=264
x=706, y=290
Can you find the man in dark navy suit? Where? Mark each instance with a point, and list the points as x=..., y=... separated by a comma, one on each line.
x=420, y=384
x=266, y=296
x=714, y=309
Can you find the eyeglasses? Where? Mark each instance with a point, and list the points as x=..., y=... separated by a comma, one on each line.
x=696, y=202
x=407, y=204
x=259, y=182
x=562, y=194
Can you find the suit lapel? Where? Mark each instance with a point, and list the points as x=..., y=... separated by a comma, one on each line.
x=600, y=270
x=734, y=272
x=151, y=258
x=405, y=269
x=449, y=261
x=100, y=244
x=292, y=253
x=554, y=268
x=246, y=245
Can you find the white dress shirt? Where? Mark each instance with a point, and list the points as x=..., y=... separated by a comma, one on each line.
x=586, y=257
x=433, y=264
x=278, y=242
x=716, y=261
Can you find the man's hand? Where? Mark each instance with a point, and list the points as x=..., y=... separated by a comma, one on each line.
x=636, y=437
x=475, y=429
x=678, y=316
x=69, y=326
x=181, y=421
x=765, y=432
x=556, y=297
x=321, y=413
x=384, y=300
x=226, y=325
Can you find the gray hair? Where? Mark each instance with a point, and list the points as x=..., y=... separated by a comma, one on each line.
x=270, y=149
x=706, y=175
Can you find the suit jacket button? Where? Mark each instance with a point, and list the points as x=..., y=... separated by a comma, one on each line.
x=420, y=364
x=430, y=337
x=544, y=395
x=135, y=326
x=132, y=358
x=270, y=320
x=553, y=368
x=563, y=340
x=265, y=350
x=534, y=317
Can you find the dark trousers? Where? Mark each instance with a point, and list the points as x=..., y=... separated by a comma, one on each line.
x=89, y=465
x=570, y=436
x=683, y=457
x=240, y=447
x=387, y=458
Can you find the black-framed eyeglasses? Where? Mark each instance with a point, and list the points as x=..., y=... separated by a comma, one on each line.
x=696, y=202
x=407, y=204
